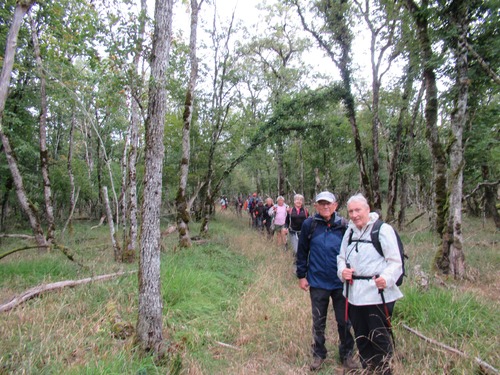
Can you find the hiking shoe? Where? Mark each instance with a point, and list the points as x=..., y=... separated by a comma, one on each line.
x=350, y=363
x=316, y=363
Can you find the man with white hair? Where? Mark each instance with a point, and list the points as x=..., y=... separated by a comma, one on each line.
x=372, y=290
x=316, y=261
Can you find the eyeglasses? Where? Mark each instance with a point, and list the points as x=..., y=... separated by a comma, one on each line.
x=324, y=203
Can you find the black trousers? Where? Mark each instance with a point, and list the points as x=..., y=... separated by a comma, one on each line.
x=320, y=300
x=373, y=337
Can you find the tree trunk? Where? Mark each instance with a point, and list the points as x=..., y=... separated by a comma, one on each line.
x=407, y=156
x=394, y=161
x=281, y=169
x=219, y=115
x=109, y=216
x=183, y=215
x=431, y=115
x=8, y=62
x=335, y=15
x=454, y=237
x=69, y=222
x=490, y=197
x=44, y=153
x=149, y=322
x=130, y=246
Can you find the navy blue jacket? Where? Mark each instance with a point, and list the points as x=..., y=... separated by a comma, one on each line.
x=316, y=257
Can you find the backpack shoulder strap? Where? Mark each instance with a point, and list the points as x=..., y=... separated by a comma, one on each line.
x=375, y=236
x=349, y=241
x=312, y=228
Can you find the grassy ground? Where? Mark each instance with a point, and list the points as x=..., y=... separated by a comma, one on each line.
x=232, y=306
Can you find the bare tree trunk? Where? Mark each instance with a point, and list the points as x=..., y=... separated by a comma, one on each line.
x=380, y=35
x=109, y=216
x=219, y=115
x=8, y=62
x=72, y=202
x=122, y=199
x=183, y=215
x=149, y=322
x=130, y=246
x=44, y=154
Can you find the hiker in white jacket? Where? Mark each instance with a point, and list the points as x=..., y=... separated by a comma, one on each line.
x=368, y=277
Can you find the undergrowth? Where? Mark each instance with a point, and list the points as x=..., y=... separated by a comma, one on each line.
x=232, y=306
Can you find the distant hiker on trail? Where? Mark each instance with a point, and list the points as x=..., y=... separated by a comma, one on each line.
x=268, y=220
x=279, y=211
x=316, y=261
x=238, y=204
x=259, y=215
x=373, y=291
x=252, y=203
x=296, y=216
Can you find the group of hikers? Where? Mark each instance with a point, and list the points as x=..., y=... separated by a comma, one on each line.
x=337, y=259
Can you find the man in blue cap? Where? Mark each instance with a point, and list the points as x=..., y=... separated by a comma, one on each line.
x=316, y=261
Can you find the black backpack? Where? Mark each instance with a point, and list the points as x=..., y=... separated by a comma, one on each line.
x=374, y=234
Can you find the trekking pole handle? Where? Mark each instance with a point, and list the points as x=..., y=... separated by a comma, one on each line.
x=381, y=291
x=348, y=266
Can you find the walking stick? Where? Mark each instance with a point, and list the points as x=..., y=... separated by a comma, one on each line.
x=387, y=316
x=346, y=316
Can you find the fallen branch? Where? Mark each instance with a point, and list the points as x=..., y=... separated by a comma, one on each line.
x=416, y=217
x=23, y=236
x=9, y=252
x=227, y=345
x=171, y=229
x=37, y=290
x=485, y=366
x=66, y=251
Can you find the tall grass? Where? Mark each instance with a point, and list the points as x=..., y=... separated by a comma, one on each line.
x=232, y=306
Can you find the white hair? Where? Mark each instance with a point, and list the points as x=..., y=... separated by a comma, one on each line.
x=298, y=196
x=358, y=198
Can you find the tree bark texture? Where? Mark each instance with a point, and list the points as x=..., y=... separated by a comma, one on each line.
x=10, y=51
x=130, y=246
x=44, y=153
x=183, y=215
x=459, y=14
x=149, y=323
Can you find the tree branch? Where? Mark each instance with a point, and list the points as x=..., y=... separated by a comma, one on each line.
x=484, y=366
x=37, y=290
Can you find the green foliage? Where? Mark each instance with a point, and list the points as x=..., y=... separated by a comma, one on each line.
x=197, y=287
x=449, y=317
x=26, y=272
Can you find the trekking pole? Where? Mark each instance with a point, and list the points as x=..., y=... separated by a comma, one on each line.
x=346, y=316
x=387, y=316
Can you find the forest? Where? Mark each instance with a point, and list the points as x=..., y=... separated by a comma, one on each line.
x=127, y=120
